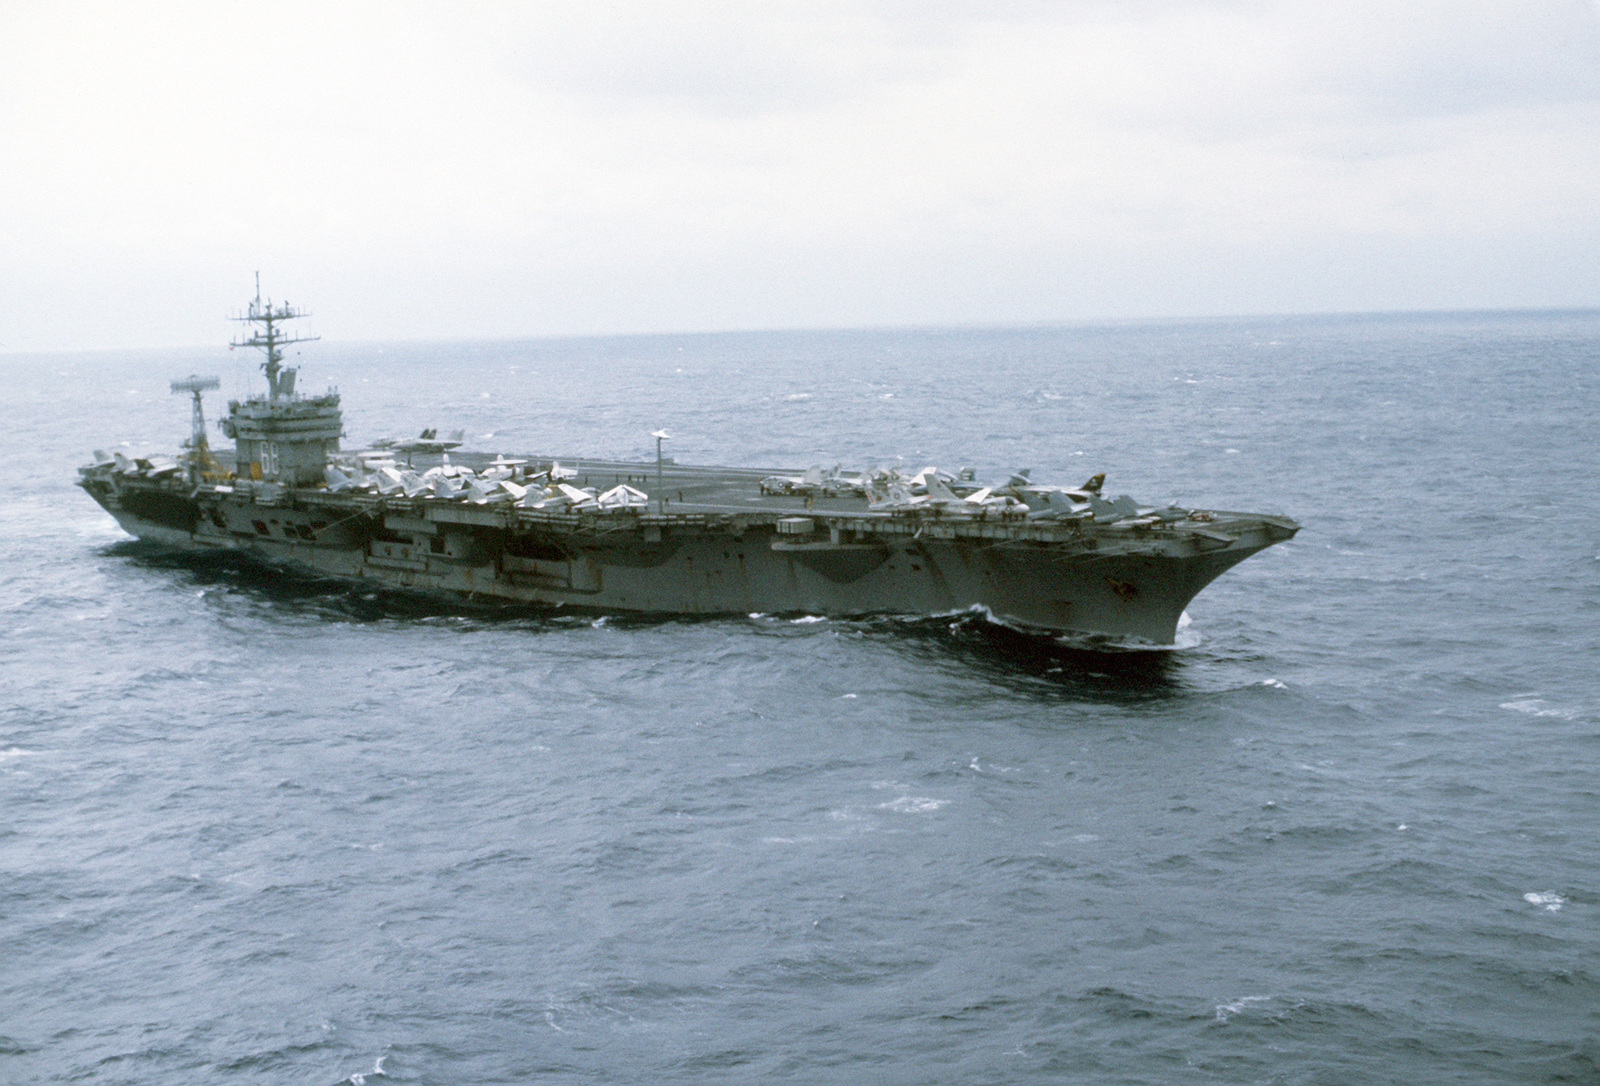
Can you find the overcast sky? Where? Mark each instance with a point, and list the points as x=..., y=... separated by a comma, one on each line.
x=426, y=170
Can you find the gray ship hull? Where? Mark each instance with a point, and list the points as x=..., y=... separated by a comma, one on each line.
x=718, y=545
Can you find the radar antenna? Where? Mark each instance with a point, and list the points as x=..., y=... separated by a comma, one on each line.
x=280, y=381
x=200, y=452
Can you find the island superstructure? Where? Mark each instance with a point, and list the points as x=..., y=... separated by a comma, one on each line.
x=661, y=537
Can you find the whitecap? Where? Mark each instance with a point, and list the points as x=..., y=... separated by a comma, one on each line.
x=807, y=619
x=358, y=1079
x=1228, y=1010
x=1550, y=903
x=913, y=805
x=1538, y=707
x=794, y=397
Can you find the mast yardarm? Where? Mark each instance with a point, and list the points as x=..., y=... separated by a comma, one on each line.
x=280, y=381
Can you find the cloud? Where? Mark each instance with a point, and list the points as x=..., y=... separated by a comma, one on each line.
x=720, y=60
x=560, y=167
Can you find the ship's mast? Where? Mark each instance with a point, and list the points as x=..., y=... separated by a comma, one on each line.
x=271, y=340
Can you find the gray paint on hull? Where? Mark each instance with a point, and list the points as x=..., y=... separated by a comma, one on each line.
x=730, y=570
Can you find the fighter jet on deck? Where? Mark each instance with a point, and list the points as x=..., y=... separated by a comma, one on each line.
x=429, y=441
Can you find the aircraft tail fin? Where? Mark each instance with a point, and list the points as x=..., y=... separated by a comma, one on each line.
x=937, y=491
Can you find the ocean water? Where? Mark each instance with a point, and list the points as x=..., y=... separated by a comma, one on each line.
x=260, y=829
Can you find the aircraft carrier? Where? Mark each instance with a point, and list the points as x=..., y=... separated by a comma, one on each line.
x=660, y=537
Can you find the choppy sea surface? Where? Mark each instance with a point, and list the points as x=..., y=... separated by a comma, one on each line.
x=257, y=828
